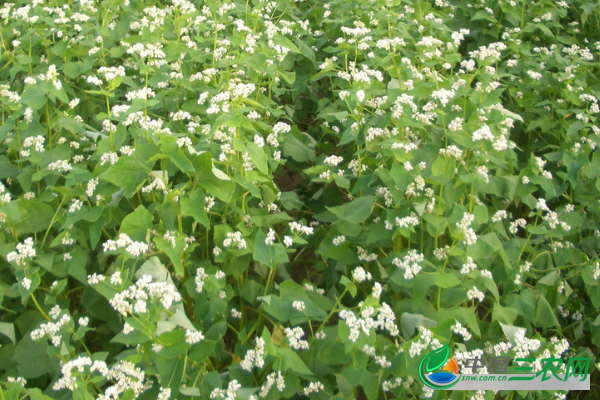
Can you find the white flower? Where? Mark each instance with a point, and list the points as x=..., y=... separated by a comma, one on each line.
x=534, y=75
x=76, y=205
x=156, y=347
x=115, y=278
x=333, y=160
x=23, y=251
x=299, y=305
x=165, y=394
x=410, y=264
x=73, y=103
x=360, y=96
x=26, y=283
x=235, y=238
x=339, y=240
x=95, y=279
x=484, y=133
x=127, y=329
x=54, y=313
x=298, y=228
x=468, y=266
x=475, y=293
x=259, y=141
x=83, y=321
x=313, y=387
x=360, y=275
x=192, y=337
x=288, y=241
x=184, y=141
x=470, y=237
x=597, y=271
x=294, y=337
x=499, y=216
x=270, y=239
x=254, y=358
x=199, y=279
x=459, y=329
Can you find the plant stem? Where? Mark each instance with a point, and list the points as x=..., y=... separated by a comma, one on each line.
x=39, y=308
x=333, y=310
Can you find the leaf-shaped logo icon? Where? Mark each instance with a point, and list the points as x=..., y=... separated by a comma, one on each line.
x=437, y=358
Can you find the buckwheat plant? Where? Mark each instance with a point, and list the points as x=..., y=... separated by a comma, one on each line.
x=294, y=199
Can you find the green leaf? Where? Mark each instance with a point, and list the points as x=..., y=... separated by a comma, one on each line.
x=422, y=283
x=294, y=148
x=36, y=394
x=342, y=253
x=8, y=330
x=269, y=255
x=200, y=351
x=174, y=344
x=259, y=158
x=71, y=125
x=169, y=146
x=132, y=172
x=525, y=303
x=356, y=211
x=190, y=391
x=7, y=170
x=175, y=253
x=31, y=358
x=370, y=384
x=171, y=372
x=35, y=216
x=345, y=386
x=193, y=206
x=510, y=331
x=292, y=361
x=221, y=187
x=466, y=316
x=71, y=69
x=137, y=224
x=544, y=315
x=437, y=358
x=288, y=77
x=34, y=97
x=410, y=322
x=505, y=315
x=349, y=285
x=305, y=50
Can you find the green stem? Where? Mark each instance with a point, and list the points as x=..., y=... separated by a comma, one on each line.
x=39, y=308
x=49, y=127
x=52, y=222
x=333, y=310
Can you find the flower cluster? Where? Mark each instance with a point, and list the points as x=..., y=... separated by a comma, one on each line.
x=410, y=263
x=234, y=238
x=470, y=237
x=134, y=299
x=255, y=357
x=385, y=320
x=24, y=251
x=132, y=248
x=294, y=337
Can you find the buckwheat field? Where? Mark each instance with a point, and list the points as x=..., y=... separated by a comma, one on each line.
x=295, y=199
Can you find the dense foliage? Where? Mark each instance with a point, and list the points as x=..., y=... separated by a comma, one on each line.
x=289, y=199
